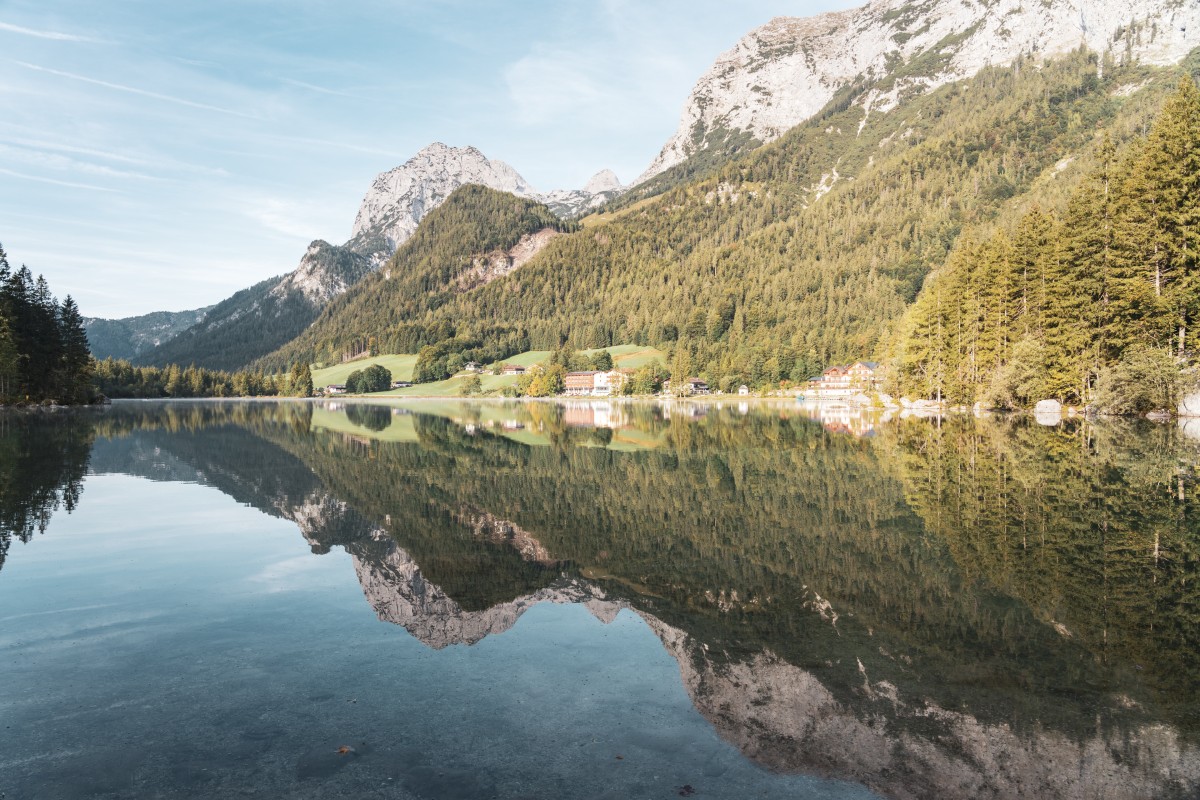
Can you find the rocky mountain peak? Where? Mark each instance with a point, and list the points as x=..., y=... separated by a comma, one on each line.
x=781, y=74
x=400, y=198
x=603, y=181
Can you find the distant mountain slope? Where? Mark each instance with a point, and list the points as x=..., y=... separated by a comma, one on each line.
x=258, y=320
x=805, y=251
x=126, y=338
x=784, y=72
x=477, y=236
x=238, y=329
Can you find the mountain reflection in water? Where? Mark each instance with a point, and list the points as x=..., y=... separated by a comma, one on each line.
x=953, y=608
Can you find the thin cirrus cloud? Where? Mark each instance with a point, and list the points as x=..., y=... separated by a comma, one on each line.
x=134, y=90
x=289, y=217
x=152, y=163
x=56, y=36
x=55, y=181
x=39, y=157
x=312, y=87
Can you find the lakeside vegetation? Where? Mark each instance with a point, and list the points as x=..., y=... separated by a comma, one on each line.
x=1097, y=303
x=121, y=379
x=44, y=354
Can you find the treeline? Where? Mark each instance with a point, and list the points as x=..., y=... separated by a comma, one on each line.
x=1098, y=303
x=44, y=352
x=120, y=379
x=792, y=257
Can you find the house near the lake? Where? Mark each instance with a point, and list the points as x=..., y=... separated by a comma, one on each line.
x=845, y=381
x=594, y=383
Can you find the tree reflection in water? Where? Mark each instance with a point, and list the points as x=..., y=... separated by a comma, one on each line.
x=955, y=607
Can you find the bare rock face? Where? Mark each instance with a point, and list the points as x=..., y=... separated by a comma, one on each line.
x=487, y=268
x=784, y=718
x=400, y=198
x=602, y=187
x=399, y=593
x=781, y=74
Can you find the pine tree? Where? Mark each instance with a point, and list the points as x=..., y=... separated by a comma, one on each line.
x=303, y=385
x=1160, y=220
x=76, y=372
x=10, y=359
x=681, y=366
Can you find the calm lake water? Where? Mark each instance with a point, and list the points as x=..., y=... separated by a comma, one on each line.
x=594, y=600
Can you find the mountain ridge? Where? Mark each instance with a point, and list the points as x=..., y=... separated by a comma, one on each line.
x=127, y=337
x=257, y=320
x=782, y=73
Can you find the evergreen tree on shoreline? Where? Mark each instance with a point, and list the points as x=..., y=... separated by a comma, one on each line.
x=1116, y=276
x=44, y=351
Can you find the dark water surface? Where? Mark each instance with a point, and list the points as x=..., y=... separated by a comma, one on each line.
x=594, y=600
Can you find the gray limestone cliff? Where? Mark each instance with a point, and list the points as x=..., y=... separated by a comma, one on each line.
x=783, y=73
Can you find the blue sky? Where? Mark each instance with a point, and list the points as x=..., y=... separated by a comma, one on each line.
x=162, y=155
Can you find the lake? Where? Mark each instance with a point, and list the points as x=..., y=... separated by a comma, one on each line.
x=440, y=599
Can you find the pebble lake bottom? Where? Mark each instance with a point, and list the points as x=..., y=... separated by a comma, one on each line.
x=164, y=641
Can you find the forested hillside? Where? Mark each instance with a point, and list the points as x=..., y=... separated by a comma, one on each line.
x=798, y=254
x=259, y=319
x=453, y=243
x=43, y=348
x=1061, y=304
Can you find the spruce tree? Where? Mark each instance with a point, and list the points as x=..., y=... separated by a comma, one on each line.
x=10, y=360
x=76, y=359
x=1160, y=221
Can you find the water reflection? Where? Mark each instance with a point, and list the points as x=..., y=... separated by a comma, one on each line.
x=950, y=608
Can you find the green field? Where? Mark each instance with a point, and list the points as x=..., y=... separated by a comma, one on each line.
x=633, y=356
x=401, y=429
x=401, y=367
x=451, y=386
x=625, y=356
x=528, y=358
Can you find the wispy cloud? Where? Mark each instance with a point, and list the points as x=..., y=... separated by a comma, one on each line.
x=40, y=158
x=284, y=216
x=320, y=89
x=55, y=182
x=107, y=155
x=291, y=574
x=55, y=35
x=81, y=151
x=134, y=90
x=336, y=145
x=547, y=85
